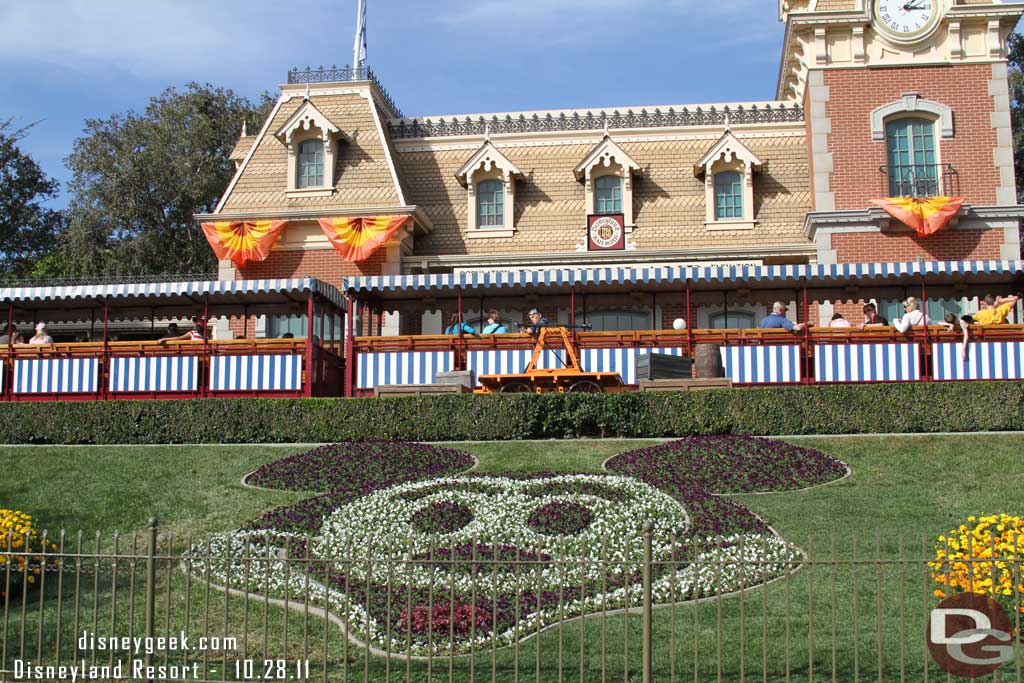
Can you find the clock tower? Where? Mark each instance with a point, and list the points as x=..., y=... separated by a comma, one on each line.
x=904, y=98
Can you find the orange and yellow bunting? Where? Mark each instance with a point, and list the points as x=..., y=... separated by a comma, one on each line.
x=243, y=241
x=925, y=215
x=356, y=238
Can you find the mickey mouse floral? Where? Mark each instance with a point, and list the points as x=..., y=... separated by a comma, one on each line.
x=428, y=564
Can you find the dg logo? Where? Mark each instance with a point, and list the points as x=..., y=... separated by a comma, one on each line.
x=970, y=635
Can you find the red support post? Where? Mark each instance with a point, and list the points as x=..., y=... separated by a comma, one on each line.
x=204, y=379
x=689, y=322
x=458, y=364
x=105, y=357
x=572, y=312
x=9, y=360
x=308, y=388
x=350, y=356
x=926, y=351
x=807, y=335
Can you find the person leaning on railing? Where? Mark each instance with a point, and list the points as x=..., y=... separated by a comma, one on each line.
x=994, y=310
x=41, y=337
x=778, y=320
x=458, y=327
x=962, y=323
x=12, y=336
x=913, y=316
x=198, y=333
x=495, y=325
x=872, y=318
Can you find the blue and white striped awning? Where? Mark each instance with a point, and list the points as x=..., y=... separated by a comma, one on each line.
x=584, y=279
x=139, y=293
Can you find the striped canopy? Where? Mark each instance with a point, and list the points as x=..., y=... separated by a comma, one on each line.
x=700, y=277
x=75, y=301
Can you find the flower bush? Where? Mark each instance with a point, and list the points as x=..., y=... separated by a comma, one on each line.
x=560, y=518
x=985, y=555
x=442, y=517
x=346, y=471
x=498, y=578
x=694, y=469
x=21, y=548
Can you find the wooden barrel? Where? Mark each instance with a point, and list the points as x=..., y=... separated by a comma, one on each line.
x=708, y=361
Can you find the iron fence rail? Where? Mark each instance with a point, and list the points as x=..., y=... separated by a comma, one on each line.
x=151, y=606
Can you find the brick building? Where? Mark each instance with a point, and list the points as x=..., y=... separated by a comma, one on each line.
x=875, y=98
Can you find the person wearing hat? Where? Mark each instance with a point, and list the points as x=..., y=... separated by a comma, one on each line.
x=40, y=336
x=778, y=320
x=537, y=321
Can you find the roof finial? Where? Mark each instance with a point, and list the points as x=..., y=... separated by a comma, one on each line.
x=307, y=90
x=727, y=128
x=487, y=131
x=243, y=129
x=606, y=127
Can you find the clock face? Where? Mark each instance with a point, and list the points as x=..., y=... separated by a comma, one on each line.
x=906, y=18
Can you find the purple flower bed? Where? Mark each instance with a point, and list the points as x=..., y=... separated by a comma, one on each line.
x=693, y=470
x=574, y=488
x=345, y=472
x=560, y=518
x=443, y=517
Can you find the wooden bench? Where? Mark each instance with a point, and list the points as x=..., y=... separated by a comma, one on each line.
x=685, y=384
x=419, y=389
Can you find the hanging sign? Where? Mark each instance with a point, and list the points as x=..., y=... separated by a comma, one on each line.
x=606, y=232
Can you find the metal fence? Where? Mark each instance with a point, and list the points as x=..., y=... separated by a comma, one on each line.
x=152, y=606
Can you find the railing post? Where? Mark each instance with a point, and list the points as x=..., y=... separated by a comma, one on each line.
x=151, y=589
x=648, y=617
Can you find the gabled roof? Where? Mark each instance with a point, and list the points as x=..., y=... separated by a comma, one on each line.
x=728, y=148
x=603, y=153
x=242, y=147
x=489, y=157
x=306, y=117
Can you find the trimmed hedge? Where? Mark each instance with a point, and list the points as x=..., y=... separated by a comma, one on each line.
x=847, y=409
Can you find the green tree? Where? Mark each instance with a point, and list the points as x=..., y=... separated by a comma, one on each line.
x=138, y=178
x=1016, y=53
x=28, y=230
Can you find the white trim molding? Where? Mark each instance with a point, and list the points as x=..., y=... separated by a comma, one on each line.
x=607, y=158
x=911, y=102
x=488, y=163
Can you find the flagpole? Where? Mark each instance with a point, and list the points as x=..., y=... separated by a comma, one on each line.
x=359, y=45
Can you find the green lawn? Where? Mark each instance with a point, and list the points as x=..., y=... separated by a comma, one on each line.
x=902, y=487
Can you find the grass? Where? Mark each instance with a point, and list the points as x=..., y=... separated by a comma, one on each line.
x=909, y=487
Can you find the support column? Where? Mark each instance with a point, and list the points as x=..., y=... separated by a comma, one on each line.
x=350, y=356
x=310, y=311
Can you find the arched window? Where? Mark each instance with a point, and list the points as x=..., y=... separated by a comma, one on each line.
x=311, y=164
x=910, y=148
x=731, y=320
x=608, y=194
x=490, y=204
x=728, y=195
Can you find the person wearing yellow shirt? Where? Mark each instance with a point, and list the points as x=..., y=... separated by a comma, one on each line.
x=995, y=309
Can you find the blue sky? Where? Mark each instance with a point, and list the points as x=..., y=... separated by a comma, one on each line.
x=64, y=61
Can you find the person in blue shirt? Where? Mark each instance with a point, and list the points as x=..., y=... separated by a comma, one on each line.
x=456, y=326
x=778, y=320
x=495, y=325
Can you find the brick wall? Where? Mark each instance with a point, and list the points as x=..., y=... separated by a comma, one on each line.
x=948, y=245
x=854, y=93
x=323, y=264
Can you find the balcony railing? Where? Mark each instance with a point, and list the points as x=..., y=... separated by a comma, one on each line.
x=334, y=74
x=920, y=180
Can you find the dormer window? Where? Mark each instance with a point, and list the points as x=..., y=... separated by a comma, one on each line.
x=728, y=173
x=490, y=180
x=311, y=164
x=311, y=139
x=607, y=175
